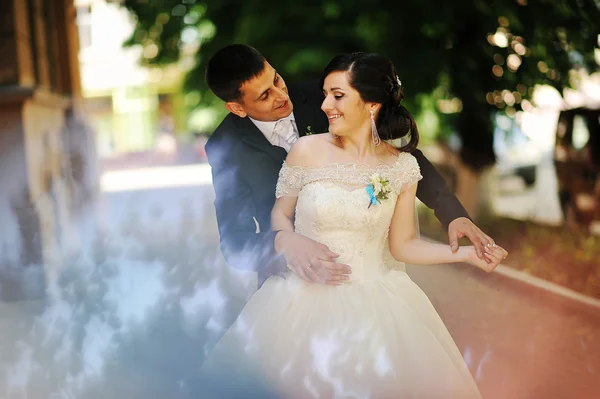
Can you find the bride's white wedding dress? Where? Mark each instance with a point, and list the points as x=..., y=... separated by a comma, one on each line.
x=377, y=336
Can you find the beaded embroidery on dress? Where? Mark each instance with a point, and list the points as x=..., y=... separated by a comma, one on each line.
x=377, y=336
x=334, y=210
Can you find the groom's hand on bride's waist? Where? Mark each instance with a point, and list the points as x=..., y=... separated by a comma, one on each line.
x=310, y=260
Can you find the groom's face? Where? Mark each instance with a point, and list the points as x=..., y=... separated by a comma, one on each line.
x=264, y=98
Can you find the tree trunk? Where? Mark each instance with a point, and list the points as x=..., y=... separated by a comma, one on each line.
x=470, y=83
x=474, y=191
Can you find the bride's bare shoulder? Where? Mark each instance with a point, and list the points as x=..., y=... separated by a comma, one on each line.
x=310, y=150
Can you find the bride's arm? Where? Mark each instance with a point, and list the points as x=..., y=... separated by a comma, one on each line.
x=406, y=247
x=282, y=215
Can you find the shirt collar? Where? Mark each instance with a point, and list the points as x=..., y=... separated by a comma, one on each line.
x=267, y=128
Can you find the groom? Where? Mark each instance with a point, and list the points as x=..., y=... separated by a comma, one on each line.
x=247, y=151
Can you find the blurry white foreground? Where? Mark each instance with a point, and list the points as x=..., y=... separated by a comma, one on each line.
x=156, y=177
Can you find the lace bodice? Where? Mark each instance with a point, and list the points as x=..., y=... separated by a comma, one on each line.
x=333, y=209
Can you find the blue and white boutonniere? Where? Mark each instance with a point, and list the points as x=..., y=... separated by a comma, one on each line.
x=378, y=190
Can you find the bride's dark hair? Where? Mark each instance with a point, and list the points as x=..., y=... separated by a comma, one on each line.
x=374, y=77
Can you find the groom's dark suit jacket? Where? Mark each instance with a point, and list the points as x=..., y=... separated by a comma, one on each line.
x=245, y=168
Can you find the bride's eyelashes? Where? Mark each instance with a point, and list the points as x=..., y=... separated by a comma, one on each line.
x=336, y=96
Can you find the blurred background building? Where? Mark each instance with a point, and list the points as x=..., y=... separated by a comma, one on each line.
x=47, y=161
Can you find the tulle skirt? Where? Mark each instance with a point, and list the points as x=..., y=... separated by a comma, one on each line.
x=377, y=339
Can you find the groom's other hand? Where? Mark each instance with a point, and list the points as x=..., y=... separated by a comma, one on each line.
x=464, y=227
x=310, y=260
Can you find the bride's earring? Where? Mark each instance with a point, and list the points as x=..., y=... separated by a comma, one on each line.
x=374, y=133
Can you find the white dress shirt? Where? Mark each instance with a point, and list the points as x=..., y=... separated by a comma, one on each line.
x=277, y=137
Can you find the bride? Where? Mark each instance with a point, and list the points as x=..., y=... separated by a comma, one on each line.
x=374, y=334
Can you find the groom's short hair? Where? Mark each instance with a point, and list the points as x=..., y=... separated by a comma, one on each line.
x=230, y=67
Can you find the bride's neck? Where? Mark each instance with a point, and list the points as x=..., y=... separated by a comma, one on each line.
x=360, y=144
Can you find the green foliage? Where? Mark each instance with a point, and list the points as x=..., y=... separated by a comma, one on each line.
x=475, y=51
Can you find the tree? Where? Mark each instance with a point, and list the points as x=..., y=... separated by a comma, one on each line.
x=471, y=58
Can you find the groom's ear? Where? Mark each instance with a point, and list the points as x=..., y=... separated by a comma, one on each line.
x=235, y=108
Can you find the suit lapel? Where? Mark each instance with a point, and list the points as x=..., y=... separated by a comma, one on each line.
x=252, y=136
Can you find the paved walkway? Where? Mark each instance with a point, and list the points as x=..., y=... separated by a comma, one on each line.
x=520, y=342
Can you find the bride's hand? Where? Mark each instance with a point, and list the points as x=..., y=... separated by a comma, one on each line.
x=493, y=255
